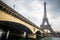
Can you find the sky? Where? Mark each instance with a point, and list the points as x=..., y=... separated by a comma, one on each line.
x=34, y=11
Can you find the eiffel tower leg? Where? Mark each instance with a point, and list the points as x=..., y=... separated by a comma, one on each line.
x=52, y=32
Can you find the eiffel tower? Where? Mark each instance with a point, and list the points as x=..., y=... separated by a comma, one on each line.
x=45, y=20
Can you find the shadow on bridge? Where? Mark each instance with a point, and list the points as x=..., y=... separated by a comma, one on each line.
x=15, y=29
x=12, y=26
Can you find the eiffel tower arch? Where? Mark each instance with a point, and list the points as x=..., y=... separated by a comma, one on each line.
x=47, y=26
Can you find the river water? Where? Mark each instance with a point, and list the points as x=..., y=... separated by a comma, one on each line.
x=50, y=38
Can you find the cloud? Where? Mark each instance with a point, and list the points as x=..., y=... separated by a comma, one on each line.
x=54, y=7
x=55, y=23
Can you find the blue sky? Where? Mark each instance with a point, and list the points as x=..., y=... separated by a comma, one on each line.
x=34, y=10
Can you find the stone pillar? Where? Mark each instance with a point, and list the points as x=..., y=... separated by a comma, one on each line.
x=31, y=36
x=7, y=35
x=4, y=35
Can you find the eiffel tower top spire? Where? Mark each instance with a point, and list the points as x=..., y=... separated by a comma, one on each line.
x=45, y=15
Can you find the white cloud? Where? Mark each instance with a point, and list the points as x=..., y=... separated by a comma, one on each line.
x=55, y=24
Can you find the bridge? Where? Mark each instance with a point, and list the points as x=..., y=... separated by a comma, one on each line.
x=13, y=23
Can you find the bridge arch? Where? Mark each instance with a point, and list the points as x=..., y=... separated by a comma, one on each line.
x=38, y=33
x=12, y=26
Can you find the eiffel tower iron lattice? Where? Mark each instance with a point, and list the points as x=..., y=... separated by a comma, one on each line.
x=45, y=19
